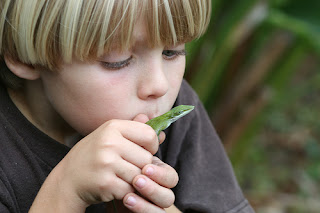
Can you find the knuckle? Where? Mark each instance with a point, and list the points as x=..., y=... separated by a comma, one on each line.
x=105, y=184
x=108, y=161
x=109, y=189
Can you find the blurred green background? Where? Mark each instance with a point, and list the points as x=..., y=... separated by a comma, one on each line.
x=257, y=72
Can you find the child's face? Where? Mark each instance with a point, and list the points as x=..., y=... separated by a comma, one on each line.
x=146, y=80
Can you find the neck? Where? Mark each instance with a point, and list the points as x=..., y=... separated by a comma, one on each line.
x=33, y=104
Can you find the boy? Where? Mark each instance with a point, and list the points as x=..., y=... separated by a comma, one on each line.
x=79, y=80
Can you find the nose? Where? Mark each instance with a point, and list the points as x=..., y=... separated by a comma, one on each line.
x=153, y=81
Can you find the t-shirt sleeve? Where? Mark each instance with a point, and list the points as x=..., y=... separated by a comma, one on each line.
x=206, y=179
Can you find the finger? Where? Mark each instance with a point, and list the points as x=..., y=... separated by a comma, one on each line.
x=142, y=118
x=118, y=188
x=121, y=149
x=126, y=171
x=135, y=154
x=161, y=173
x=138, y=204
x=157, y=194
x=162, y=137
x=139, y=133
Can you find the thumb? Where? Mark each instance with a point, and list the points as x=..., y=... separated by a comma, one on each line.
x=143, y=118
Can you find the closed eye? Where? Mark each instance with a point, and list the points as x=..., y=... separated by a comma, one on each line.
x=116, y=65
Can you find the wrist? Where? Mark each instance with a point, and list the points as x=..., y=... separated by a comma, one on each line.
x=57, y=195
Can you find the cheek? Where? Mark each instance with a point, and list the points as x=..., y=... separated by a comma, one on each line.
x=87, y=101
x=175, y=74
x=99, y=103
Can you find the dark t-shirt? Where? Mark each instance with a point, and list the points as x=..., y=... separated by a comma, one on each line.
x=192, y=147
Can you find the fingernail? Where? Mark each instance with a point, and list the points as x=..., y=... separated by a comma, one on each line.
x=141, y=182
x=149, y=171
x=131, y=201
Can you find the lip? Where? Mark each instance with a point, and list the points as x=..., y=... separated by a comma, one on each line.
x=153, y=113
x=156, y=114
x=155, y=110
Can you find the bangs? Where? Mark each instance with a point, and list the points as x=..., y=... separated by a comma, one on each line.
x=168, y=23
x=46, y=32
x=173, y=22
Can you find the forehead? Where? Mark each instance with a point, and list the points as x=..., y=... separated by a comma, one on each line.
x=140, y=33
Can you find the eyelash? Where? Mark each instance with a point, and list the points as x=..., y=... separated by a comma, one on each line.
x=122, y=64
x=116, y=65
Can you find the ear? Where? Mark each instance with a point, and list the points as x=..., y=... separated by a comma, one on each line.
x=21, y=69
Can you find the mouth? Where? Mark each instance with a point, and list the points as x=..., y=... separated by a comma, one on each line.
x=149, y=113
x=154, y=112
x=175, y=113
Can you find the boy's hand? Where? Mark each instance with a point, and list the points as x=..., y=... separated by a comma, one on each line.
x=106, y=165
x=102, y=166
x=99, y=168
x=154, y=184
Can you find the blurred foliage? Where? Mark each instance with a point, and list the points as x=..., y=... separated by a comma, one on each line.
x=256, y=71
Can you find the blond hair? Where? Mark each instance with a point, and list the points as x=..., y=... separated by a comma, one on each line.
x=44, y=32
